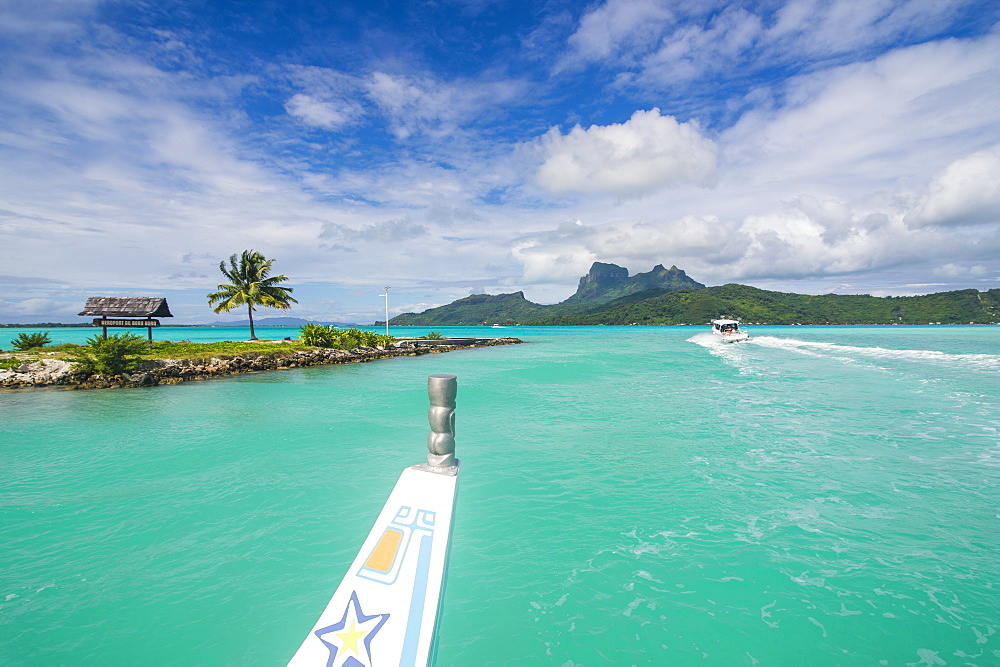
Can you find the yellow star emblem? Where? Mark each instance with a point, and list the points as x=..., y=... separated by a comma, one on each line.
x=350, y=639
x=352, y=634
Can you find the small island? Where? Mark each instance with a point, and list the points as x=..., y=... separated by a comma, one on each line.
x=173, y=363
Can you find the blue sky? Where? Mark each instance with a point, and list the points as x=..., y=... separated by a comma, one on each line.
x=455, y=147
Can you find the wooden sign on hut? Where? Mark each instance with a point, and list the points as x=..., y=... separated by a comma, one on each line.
x=122, y=311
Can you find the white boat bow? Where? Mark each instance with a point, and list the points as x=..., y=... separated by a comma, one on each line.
x=385, y=610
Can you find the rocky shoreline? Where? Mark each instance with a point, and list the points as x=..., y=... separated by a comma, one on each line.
x=57, y=373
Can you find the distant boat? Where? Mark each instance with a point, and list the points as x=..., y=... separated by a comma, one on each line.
x=729, y=331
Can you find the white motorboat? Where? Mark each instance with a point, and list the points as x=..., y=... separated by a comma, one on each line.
x=729, y=331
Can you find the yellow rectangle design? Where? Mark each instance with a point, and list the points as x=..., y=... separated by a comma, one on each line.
x=384, y=553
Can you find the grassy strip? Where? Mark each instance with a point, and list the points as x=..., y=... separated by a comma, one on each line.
x=162, y=350
x=188, y=350
x=36, y=353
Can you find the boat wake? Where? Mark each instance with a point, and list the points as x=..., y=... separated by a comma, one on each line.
x=734, y=354
x=711, y=341
x=746, y=355
x=986, y=362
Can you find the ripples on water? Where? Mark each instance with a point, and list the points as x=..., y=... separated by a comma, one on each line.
x=818, y=496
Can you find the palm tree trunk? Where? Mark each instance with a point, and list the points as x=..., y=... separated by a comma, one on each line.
x=253, y=336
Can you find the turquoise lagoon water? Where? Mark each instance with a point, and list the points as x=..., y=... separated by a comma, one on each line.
x=815, y=496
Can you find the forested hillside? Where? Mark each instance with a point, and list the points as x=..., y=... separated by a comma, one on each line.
x=603, y=283
x=608, y=295
x=477, y=309
x=753, y=305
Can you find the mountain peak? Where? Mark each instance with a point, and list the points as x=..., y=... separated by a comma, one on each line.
x=605, y=282
x=606, y=274
x=475, y=310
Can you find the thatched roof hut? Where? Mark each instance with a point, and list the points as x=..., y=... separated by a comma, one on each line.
x=126, y=306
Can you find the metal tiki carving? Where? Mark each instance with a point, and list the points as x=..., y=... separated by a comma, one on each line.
x=442, y=390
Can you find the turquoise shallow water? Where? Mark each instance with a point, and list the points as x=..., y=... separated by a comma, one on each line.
x=818, y=495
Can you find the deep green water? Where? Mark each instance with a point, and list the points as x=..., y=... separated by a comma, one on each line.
x=816, y=496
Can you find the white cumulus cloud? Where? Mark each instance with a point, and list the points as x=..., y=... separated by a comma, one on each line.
x=967, y=192
x=801, y=239
x=648, y=152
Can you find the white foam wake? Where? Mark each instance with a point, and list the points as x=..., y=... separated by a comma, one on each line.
x=978, y=361
x=732, y=353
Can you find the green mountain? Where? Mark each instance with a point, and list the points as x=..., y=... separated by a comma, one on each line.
x=607, y=295
x=753, y=305
x=607, y=282
x=603, y=283
x=475, y=310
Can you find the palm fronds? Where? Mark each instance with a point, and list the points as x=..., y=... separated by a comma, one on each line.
x=250, y=284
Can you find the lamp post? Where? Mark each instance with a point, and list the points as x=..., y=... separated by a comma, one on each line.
x=386, y=295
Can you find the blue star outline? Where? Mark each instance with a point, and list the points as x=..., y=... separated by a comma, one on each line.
x=351, y=661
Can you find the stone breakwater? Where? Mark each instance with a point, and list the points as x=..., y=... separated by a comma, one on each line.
x=152, y=372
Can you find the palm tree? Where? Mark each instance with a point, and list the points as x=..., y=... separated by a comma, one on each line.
x=250, y=286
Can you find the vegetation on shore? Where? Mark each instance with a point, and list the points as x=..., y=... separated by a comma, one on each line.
x=319, y=335
x=113, y=355
x=121, y=353
x=188, y=350
x=27, y=341
x=157, y=350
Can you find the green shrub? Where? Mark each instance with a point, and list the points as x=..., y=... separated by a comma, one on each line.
x=111, y=355
x=9, y=364
x=26, y=341
x=347, y=339
x=434, y=335
x=367, y=338
x=318, y=335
